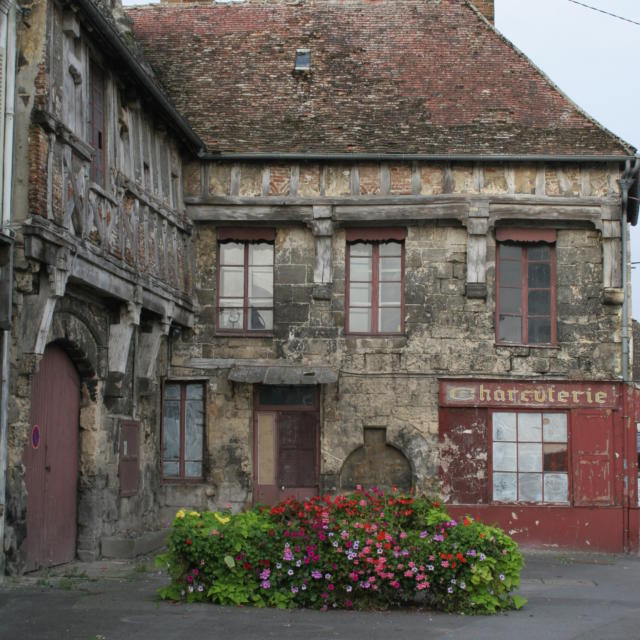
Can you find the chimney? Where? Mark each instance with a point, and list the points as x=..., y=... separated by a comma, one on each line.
x=485, y=7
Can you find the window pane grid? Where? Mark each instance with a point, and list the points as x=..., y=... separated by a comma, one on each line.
x=245, y=287
x=525, y=309
x=530, y=457
x=375, y=287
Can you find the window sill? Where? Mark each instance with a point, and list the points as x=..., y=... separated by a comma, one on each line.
x=517, y=345
x=530, y=504
x=189, y=481
x=375, y=335
x=235, y=334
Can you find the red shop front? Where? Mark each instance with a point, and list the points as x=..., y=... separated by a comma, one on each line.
x=552, y=463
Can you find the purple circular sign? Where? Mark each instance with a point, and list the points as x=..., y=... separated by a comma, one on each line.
x=35, y=436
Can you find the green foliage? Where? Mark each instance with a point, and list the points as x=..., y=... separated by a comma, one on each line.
x=364, y=550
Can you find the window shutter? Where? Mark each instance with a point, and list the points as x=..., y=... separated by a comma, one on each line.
x=464, y=470
x=592, y=439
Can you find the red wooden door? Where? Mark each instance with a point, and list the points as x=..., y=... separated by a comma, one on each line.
x=51, y=460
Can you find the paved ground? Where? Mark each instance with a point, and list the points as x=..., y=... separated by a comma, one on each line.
x=571, y=596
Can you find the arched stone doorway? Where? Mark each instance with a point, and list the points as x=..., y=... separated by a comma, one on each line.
x=51, y=461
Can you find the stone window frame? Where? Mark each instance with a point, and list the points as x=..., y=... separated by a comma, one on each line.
x=568, y=465
x=375, y=237
x=182, y=476
x=97, y=130
x=524, y=239
x=244, y=236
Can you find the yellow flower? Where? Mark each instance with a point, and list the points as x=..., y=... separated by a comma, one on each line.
x=194, y=513
x=221, y=519
x=180, y=514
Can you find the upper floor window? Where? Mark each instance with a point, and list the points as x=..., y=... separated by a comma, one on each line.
x=375, y=281
x=526, y=287
x=245, y=280
x=96, y=124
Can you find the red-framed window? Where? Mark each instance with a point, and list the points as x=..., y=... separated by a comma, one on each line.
x=526, y=287
x=530, y=457
x=375, y=281
x=183, y=427
x=245, y=281
x=96, y=123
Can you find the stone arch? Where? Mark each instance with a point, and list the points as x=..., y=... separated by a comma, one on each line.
x=82, y=345
x=85, y=345
x=377, y=463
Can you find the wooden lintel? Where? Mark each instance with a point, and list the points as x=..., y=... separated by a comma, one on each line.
x=493, y=199
x=401, y=212
x=546, y=212
x=213, y=213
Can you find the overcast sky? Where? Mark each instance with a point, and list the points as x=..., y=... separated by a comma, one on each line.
x=591, y=56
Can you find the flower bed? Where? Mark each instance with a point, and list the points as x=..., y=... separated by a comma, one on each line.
x=364, y=550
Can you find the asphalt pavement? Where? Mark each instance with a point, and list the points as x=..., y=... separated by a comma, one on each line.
x=571, y=596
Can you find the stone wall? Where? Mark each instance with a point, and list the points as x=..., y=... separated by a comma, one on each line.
x=391, y=383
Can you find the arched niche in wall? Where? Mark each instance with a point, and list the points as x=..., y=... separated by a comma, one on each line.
x=376, y=463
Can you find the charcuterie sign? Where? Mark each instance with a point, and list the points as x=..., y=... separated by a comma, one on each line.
x=526, y=394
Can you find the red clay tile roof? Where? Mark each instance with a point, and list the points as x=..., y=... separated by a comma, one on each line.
x=387, y=76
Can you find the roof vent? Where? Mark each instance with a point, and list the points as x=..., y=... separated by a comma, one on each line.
x=303, y=60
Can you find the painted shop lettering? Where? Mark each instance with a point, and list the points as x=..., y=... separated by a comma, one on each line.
x=526, y=394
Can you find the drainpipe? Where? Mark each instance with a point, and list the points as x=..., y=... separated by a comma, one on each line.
x=629, y=176
x=7, y=37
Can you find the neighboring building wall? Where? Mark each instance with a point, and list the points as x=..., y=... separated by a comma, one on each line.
x=102, y=268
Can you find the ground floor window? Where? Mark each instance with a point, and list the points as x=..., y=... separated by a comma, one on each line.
x=530, y=457
x=183, y=430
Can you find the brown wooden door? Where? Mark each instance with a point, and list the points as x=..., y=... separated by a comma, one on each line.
x=297, y=455
x=286, y=444
x=51, y=460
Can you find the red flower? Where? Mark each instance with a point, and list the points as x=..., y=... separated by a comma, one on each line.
x=189, y=541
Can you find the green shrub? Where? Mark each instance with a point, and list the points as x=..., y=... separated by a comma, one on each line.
x=363, y=550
